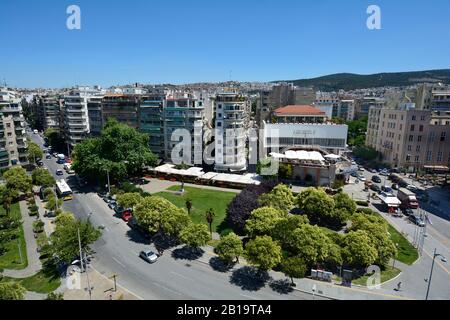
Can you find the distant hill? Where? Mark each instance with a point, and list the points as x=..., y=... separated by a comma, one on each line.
x=350, y=81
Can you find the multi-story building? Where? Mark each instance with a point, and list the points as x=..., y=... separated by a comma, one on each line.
x=410, y=138
x=122, y=107
x=328, y=103
x=151, y=121
x=13, y=144
x=362, y=106
x=232, y=111
x=434, y=97
x=373, y=122
x=95, y=114
x=183, y=111
x=302, y=127
x=346, y=110
x=75, y=124
x=49, y=108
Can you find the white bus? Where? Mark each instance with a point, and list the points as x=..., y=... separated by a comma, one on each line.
x=63, y=190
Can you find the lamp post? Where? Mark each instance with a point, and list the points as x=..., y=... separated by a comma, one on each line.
x=393, y=264
x=431, y=271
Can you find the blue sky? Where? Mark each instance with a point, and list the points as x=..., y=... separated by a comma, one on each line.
x=161, y=41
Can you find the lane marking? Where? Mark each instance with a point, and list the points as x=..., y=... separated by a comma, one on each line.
x=182, y=276
x=165, y=288
x=241, y=294
x=120, y=263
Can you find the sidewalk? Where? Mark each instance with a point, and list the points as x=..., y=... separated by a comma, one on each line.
x=102, y=288
x=34, y=263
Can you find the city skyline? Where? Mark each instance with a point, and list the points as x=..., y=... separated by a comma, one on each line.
x=188, y=42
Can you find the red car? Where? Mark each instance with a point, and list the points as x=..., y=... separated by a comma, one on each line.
x=127, y=215
x=68, y=160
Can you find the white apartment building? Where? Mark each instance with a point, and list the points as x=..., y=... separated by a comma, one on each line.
x=232, y=110
x=13, y=144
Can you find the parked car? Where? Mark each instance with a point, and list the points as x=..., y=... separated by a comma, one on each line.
x=408, y=212
x=39, y=162
x=48, y=156
x=417, y=220
x=55, y=154
x=373, y=170
x=411, y=187
x=112, y=205
x=59, y=172
x=375, y=188
x=395, y=186
x=376, y=179
x=361, y=177
x=354, y=174
x=387, y=189
x=127, y=215
x=149, y=256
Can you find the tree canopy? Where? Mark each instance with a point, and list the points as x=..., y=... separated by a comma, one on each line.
x=129, y=200
x=358, y=250
x=18, y=179
x=263, y=252
x=294, y=267
x=120, y=149
x=229, y=247
x=150, y=211
x=263, y=220
x=317, y=205
x=34, y=151
x=12, y=291
x=195, y=235
x=284, y=228
x=280, y=197
x=42, y=177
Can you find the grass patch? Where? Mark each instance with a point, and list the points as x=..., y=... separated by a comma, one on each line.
x=213, y=243
x=406, y=252
x=386, y=275
x=202, y=200
x=41, y=282
x=11, y=258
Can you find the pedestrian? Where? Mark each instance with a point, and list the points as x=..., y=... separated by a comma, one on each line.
x=399, y=286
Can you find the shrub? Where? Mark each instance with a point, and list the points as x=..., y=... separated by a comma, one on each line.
x=362, y=203
x=365, y=211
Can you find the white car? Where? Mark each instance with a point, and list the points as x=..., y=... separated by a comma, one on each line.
x=149, y=256
x=361, y=177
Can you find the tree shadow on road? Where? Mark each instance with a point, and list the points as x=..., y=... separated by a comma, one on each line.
x=249, y=278
x=187, y=253
x=282, y=286
x=219, y=265
x=164, y=242
x=137, y=237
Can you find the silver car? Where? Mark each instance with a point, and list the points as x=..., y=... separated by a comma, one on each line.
x=149, y=256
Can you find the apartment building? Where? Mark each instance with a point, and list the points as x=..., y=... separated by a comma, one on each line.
x=75, y=116
x=281, y=95
x=95, y=115
x=363, y=105
x=13, y=144
x=373, y=122
x=151, y=120
x=410, y=138
x=346, y=110
x=328, y=103
x=232, y=116
x=122, y=107
x=183, y=111
x=435, y=97
x=48, y=111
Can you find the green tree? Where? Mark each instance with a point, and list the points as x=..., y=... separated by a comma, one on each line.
x=53, y=203
x=317, y=205
x=120, y=149
x=55, y=296
x=65, y=218
x=263, y=252
x=195, y=235
x=358, y=250
x=280, y=197
x=189, y=205
x=18, y=179
x=343, y=201
x=285, y=171
x=150, y=211
x=34, y=151
x=284, y=228
x=129, y=200
x=294, y=267
x=230, y=248
x=42, y=177
x=174, y=222
x=209, y=217
x=263, y=220
x=64, y=240
x=7, y=197
x=309, y=243
x=12, y=291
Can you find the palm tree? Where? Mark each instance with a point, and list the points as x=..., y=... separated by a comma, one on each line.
x=210, y=218
x=189, y=205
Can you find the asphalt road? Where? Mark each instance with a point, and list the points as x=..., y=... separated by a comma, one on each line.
x=168, y=278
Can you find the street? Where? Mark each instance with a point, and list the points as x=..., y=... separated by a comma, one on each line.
x=168, y=278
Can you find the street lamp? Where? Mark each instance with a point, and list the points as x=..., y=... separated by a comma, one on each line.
x=431, y=272
x=393, y=264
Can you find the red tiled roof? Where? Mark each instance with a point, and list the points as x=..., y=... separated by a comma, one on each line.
x=300, y=110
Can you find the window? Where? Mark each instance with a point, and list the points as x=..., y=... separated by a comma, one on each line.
x=8, y=125
x=421, y=128
x=419, y=138
x=409, y=148
x=411, y=138
x=219, y=124
x=422, y=118
x=413, y=118
x=408, y=158
x=416, y=159
x=9, y=134
x=429, y=155
x=439, y=156
x=443, y=135
x=412, y=127
x=418, y=148
x=448, y=160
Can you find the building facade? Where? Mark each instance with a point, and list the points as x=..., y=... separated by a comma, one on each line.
x=122, y=107
x=151, y=121
x=13, y=143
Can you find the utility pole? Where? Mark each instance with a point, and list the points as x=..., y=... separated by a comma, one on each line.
x=81, y=252
x=115, y=282
x=109, y=185
x=89, y=283
x=431, y=271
